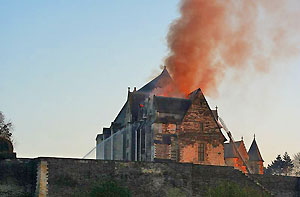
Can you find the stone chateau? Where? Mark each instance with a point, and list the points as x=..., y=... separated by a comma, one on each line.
x=154, y=126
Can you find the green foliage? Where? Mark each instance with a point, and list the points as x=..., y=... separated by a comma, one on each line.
x=109, y=188
x=276, y=166
x=229, y=189
x=281, y=165
x=175, y=192
x=5, y=128
x=288, y=164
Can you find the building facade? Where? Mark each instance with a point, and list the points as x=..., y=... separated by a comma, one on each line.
x=154, y=126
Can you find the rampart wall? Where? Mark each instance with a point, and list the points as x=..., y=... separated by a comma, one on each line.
x=56, y=177
x=282, y=186
x=17, y=177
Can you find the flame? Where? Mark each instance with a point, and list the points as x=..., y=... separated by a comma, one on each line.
x=212, y=36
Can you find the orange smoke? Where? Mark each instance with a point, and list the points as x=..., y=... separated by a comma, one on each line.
x=211, y=36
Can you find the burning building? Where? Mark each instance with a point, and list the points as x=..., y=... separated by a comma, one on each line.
x=157, y=123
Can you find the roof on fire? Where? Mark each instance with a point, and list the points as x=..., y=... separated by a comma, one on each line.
x=159, y=82
x=137, y=97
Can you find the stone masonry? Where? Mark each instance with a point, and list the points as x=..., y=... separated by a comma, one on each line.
x=75, y=177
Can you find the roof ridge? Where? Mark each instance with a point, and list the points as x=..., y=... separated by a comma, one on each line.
x=164, y=75
x=171, y=97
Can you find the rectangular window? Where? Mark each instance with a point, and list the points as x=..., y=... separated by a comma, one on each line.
x=127, y=143
x=201, y=127
x=201, y=152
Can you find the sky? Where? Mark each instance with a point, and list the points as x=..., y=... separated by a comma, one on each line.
x=65, y=67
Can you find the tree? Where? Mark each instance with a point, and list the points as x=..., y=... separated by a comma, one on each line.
x=5, y=128
x=287, y=164
x=281, y=165
x=276, y=167
x=296, y=162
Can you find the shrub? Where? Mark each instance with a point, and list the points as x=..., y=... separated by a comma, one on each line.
x=109, y=188
x=175, y=192
x=229, y=189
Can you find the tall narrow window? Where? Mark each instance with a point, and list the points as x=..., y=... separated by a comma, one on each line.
x=201, y=152
x=127, y=143
x=201, y=127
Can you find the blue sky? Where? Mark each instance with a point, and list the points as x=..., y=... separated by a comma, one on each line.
x=66, y=65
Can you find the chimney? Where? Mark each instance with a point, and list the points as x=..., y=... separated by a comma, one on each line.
x=99, y=138
x=217, y=115
x=106, y=133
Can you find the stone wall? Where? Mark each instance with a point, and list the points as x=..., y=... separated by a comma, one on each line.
x=71, y=177
x=199, y=126
x=55, y=177
x=281, y=186
x=17, y=177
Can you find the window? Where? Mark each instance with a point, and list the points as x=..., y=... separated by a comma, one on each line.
x=127, y=143
x=201, y=152
x=201, y=127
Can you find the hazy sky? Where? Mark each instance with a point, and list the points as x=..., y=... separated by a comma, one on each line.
x=65, y=67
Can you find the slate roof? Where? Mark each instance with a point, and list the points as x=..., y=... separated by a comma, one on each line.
x=159, y=82
x=254, y=154
x=229, y=151
x=137, y=98
x=121, y=115
x=171, y=105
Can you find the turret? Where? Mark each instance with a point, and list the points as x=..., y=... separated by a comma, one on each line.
x=255, y=159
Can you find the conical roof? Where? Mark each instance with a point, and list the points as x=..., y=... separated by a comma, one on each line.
x=253, y=153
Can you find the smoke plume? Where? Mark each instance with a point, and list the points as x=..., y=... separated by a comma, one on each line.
x=212, y=36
